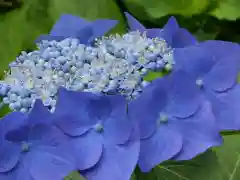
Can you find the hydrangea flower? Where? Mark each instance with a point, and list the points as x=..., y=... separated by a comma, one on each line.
x=105, y=142
x=31, y=148
x=214, y=65
x=175, y=36
x=69, y=26
x=175, y=121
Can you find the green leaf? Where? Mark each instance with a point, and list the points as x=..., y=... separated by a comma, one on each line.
x=203, y=167
x=154, y=75
x=133, y=177
x=4, y=111
x=74, y=176
x=229, y=157
x=154, y=9
x=227, y=9
x=202, y=36
x=19, y=28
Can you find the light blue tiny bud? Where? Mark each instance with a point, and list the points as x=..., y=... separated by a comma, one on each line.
x=61, y=59
x=46, y=54
x=13, y=97
x=79, y=64
x=23, y=110
x=41, y=62
x=12, y=106
x=151, y=65
x=145, y=83
x=168, y=67
x=54, y=54
x=47, y=65
x=150, y=56
x=65, y=51
x=67, y=75
x=73, y=69
x=64, y=43
x=65, y=67
x=25, y=102
x=6, y=100
x=60, y=73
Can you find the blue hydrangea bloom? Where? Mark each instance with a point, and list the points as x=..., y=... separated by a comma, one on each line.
x=105, y=142
x=175, y=121
x=175, y=36
x=69, y=26
x=214, y=65
x=31, y=148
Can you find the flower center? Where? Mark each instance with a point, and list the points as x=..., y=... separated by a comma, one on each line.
x=99, y=128
x=163, y=119
x=199, y=82
x=25, y=147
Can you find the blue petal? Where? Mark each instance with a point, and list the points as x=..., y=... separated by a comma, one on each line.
x=199, y=59
x=199, y=133
x=71, y=112
x=118, y=127
x=87, y=149
x=23, y=169
x=184, y=94
x=219, y=49
x=52, y=163
x=224, y=73
x=99, y=107
x=145, y=109
x=45, y=135
x=11, y=121
x=133, y=23
x=193, y=59
x=162, y=146
x=183, y=38
x=73, y=125
x=117, y=162
x=85, y=34
x=226, y=109
x=18, y=135
x=39, y=114
x=7, y=176
x=155, y=32
x=10, y=154
x=102, y=26
x=20, y=171
x=71, y=102
x=169, y=29
x=68, y=25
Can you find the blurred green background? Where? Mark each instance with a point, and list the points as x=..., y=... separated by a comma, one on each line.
x=22, y=21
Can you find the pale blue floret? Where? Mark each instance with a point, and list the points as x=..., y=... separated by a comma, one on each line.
x=115, y=64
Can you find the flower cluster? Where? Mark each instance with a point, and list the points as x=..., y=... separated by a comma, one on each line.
x=80, y=101
x=115, y=65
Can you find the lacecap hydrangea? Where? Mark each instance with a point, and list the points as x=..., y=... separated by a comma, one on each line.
x=111, y=118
